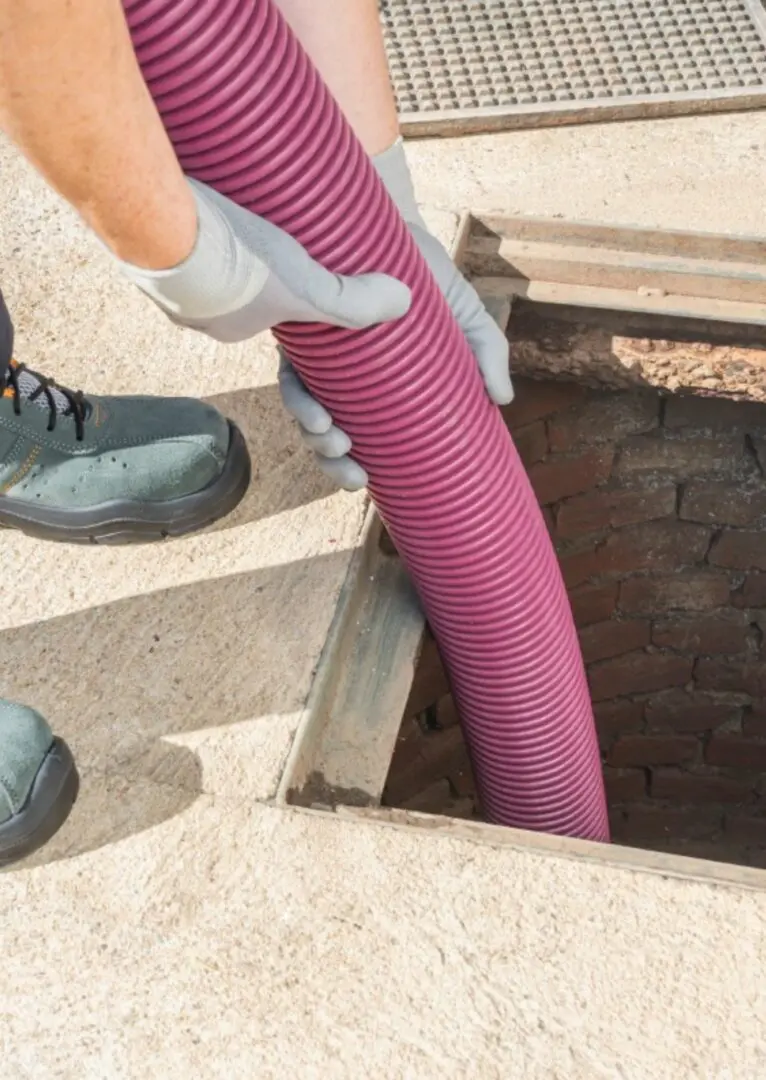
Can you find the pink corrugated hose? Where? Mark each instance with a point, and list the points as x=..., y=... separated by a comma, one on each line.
x=249, y=115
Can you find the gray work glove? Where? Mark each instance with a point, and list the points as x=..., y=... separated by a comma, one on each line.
x=246, y=275
x=488, y=342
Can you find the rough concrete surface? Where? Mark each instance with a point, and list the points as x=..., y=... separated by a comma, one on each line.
x=179, y=927
x=173, y=662
x=253, y=942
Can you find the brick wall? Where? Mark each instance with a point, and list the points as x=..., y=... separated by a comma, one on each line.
x=657, y=508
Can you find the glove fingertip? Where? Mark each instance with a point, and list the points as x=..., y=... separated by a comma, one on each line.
x=331, y=444
x=503, y=396
x=313, y=418
x=345, y=472
x=310, y=414
x=492, y=351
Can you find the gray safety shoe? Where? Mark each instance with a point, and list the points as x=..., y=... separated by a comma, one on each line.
x=113, y=469
x=38, y=782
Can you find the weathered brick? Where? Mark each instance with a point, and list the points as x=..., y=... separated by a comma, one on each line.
x=531, y=442
x=434, y=757
x=655, y=545
x=624, y=785
x=725, y=633
x=678, y=710
x=461, y=808
x=739, y=550
x=387, y=546
x=736, y=751
x=663, y=822
x=714, y=414
x=604, y=640
x=638, y=673
x=739, y=676
x=640, y=751
x=430, y=681
x=463, y=780
x=696, y=590
x=759, y=445
x=754, y=721
x=446, y=712
x=559, y=478
x=750, y=831
x=758, y=620
x=679, y=786
x=604, y=417
x=754, y=590
x=593, y=603
x=535, y=400
x=680, y=459
x=431, y=800
x=617, y=718
x=611, y=509
x=723, y=504
x=408, y=741
x=579, y=567
x=716, y=849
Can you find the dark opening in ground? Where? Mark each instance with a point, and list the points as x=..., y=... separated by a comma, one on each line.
x=657, y=507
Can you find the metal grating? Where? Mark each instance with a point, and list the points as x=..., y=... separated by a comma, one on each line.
x=482, y=64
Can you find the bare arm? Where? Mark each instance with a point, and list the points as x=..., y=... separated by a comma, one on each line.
x=345, y=41
x=74, y=101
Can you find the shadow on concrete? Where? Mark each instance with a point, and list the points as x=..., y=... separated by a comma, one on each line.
x=120, y=681
x=285, y=474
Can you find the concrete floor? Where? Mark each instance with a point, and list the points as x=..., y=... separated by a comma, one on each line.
x=182, y=925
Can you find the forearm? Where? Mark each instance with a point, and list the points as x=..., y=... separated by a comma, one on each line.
x=345, y=41
x=72, y=98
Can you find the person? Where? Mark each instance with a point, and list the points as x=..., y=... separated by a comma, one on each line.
x=76, y=467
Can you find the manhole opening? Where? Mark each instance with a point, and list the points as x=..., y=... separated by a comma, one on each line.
x=656, y=503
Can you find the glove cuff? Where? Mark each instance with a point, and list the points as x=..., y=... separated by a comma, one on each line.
x=211, y=281
x=393, y=170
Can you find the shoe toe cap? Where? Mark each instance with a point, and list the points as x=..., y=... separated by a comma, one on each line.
x=25, y=739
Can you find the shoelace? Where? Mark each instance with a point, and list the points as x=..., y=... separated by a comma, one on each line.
x=31, y=386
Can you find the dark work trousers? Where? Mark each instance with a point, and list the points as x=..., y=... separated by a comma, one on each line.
x=6, y=339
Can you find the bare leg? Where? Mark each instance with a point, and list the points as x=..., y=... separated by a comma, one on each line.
x=345, y=41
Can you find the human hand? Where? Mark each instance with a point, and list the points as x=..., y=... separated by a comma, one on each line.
x=488, y=343
x=246, y=275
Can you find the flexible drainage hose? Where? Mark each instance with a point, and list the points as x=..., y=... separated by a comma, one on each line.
x=249, y=115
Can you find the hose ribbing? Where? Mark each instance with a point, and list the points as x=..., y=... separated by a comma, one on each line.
x=248, y=114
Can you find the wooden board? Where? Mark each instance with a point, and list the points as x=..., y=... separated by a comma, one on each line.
x=343, y=749
x=694, y=275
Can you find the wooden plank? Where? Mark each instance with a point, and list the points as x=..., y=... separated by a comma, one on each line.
x=546, y=845
x=614, y=268
x=647, y=300
x=690, y=245
x=343, y=749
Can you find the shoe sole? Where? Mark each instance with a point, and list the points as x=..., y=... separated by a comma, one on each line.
x=48, y=805
x=134, y=521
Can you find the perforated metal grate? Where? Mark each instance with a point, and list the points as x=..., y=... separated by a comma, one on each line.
x=515, y=58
